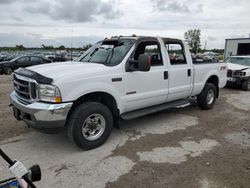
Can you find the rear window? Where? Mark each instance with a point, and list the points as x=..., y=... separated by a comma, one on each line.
x=176, y=53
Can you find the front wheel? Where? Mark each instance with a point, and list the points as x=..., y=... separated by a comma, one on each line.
x=8, y=71
x=90, y=125
x=207, y=97
x=246, y=84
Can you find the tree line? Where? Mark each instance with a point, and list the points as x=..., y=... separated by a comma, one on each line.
x=46, y=47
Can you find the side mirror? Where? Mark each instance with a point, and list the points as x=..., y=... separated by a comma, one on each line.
x=144, y=63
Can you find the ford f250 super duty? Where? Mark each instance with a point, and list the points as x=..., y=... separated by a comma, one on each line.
x=117, y=78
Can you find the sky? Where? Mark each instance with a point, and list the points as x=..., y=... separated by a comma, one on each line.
x=79, y=22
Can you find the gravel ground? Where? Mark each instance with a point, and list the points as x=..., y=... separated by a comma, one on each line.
x=181, y=147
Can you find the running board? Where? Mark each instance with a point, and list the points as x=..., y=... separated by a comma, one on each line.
x=153, y=109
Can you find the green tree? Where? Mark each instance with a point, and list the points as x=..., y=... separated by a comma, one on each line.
x=47, y=47
x=20, y=47
x=86, y=47
x=61, y=47
x=193, y=38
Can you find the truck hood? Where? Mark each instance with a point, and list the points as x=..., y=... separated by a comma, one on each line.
x=235, y=67
x=68, y=69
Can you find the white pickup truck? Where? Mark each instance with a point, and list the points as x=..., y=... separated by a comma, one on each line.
x=118, y=78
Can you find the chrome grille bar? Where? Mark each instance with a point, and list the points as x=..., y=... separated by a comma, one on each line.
x=24, y=87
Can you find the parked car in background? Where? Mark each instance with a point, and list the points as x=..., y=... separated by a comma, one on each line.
x=211, y=56
x=50, y=55
x=5, y=56
x=73, y=55
x=7, y=67
x=239, y=71
x=60, y=56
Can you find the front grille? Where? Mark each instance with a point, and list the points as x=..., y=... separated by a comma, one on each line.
x=24, y=88
x=238, y=73
x=229, y=73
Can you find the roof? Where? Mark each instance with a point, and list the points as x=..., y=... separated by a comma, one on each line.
x=145, y=38
x=239, y=39
x=241, y=56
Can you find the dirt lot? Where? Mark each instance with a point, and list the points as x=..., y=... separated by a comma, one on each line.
x=181, y=147
x=9, y=126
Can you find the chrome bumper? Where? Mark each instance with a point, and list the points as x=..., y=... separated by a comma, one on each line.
x=41, y=115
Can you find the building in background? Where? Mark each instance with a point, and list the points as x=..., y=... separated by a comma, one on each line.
x=237, y=46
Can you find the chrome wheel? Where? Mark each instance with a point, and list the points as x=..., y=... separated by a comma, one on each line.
x=93, y=127
x=210, y=96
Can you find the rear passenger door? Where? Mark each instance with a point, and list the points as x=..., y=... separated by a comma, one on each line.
x=35, y=60
x=180, y=70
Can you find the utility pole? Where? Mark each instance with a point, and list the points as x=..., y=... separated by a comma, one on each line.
x=205, y=47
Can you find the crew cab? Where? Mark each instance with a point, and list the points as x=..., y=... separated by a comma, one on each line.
x=119, y=78
x=239, y=71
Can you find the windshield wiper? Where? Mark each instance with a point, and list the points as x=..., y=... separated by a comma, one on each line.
x=112, y=52
x=91, y=55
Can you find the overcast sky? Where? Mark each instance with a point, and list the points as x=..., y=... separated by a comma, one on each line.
x=77, y=22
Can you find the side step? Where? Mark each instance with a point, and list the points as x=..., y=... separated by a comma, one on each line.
x=153, y=109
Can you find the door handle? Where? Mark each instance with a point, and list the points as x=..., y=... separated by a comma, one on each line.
x=165, y=75
x=189, y=72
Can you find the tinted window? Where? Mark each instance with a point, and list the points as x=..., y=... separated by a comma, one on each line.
x=35, y=59
x=176, y=53
x=152, y=49
x=23, y=60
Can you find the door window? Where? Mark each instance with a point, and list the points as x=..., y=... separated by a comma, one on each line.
x=23, y=60
x=176, y=53
x=152, y=49
x=35, y=60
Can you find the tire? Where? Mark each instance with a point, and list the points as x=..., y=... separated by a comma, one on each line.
x=246, y=85
x=8, y=71
x=90, y=125
x=207, y=97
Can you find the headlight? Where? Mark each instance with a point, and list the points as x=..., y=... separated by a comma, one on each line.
x=239, y=73
x=49, y=93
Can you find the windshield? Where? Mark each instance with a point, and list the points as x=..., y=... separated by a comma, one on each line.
x=14, y=59
x=109, y=52
x=239, y=60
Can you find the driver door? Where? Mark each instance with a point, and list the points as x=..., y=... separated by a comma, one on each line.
x=23, y=62
x=143, y=89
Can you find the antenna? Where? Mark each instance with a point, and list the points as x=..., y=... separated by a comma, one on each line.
x=205, y=47
x=72, y=32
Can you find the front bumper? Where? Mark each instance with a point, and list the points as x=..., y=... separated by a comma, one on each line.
x=236, y=80
x=40, y=115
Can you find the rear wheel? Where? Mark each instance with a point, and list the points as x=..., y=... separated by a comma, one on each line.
x=246, y=85
x=207, y=97
x=90, y=125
